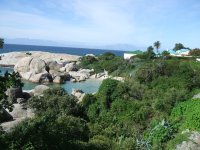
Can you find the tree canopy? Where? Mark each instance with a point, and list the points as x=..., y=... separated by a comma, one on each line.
x=157, y=45
x=178, y=46
x=1, y=42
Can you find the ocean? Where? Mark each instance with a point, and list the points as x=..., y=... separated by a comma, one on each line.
x=68, y=50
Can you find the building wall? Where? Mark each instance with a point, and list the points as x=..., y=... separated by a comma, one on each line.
x=128, y=55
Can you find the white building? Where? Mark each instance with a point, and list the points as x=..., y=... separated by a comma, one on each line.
x=128, y=55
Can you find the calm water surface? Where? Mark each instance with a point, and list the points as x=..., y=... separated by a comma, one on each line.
x=89, y=86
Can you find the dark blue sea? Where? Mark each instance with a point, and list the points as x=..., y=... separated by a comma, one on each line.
x=53, y=49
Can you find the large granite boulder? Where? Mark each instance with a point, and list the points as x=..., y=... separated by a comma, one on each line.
x=38, y=90
x=14, y=93
x=18, y=111
x=41, y=77
x=79, y=94
x=5, y=116
x=53, y=65
x=37, y=66
x=70, y=67
x=79, y=76
x=23, y=65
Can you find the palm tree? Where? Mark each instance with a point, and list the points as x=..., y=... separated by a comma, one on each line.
x=157, y=45
x=1, y=42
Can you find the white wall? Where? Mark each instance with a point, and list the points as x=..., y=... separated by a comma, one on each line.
x=128, y=55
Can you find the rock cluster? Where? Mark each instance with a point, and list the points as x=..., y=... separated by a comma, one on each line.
x=20, y=110
x=38, y=71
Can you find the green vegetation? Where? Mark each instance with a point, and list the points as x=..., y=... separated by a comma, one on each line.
x=7, y=81
x=178, y=46
x=157, y=45
x=113, y=64
x=195, y=52
x=1, y=42
x=149, y=110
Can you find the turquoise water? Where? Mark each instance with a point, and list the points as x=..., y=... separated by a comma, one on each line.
x=89, y=86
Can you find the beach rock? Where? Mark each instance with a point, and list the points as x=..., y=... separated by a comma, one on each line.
x=16, y=116
x=99, y=75
x=38, y=90
x=58, y=79
x=21, y=100
x=78, y=74
x=73, y=80
x=53, y=65
x=89, y=72
x=37, y=66
x=81, y=78
x=28, y=94
x=70, y=67
x=18, y=111
x=26, y=75
x=23, y=65
x=14, y=93
x=63, y=69
x=79, y=94
x=5, y=115
x=41, y=78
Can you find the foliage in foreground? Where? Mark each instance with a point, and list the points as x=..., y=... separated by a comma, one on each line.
x=146, y=111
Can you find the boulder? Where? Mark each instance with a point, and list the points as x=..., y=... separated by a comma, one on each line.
x=21, y=100
x=58, y=79
x=63, y=69
x=79, y=94
x=26, y=75
x=37, y=66
x=53, y=65
x=79, y=74
x=38, y=90
x=14, y=93
x=41, y=78
x=23, y=65
x=18, y=111
x=81, y=78
x=70, y=67
x=5, y=116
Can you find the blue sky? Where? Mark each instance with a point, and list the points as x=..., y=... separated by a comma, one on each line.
x=103, y=22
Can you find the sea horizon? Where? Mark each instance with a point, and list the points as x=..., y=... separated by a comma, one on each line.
x=59, y=49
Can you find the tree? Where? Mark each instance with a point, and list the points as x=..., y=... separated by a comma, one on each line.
x=195, y=52
x=157, y=45
x=1, y=42
x=178, y=46
x=150, y=53
x=165, y=54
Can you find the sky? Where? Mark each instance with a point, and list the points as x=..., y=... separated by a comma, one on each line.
x=103, y=22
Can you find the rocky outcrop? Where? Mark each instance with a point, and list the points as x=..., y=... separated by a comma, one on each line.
x=81, y=75
x=5, y=116
x=39, y=71
x=70, y=67
x=79, y=94
x=196, y=96
x=33, y=69
x=38, y=90
x=13, y=94
x=18, y=114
